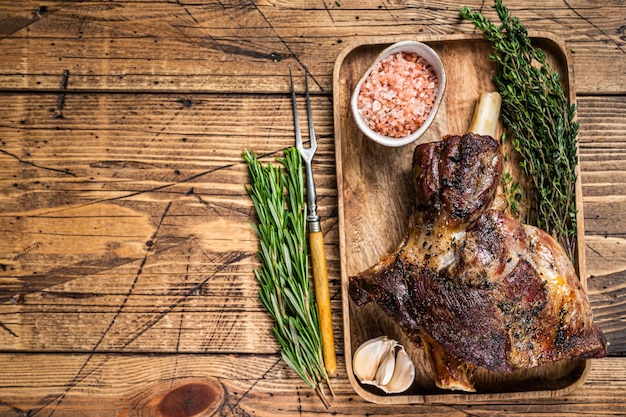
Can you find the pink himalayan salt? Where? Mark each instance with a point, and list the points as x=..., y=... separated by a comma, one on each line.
x=398, y=95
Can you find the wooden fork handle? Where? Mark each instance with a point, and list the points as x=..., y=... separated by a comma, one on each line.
x=322, y=297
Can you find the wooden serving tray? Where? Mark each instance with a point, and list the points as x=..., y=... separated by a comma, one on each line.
x=376, y=198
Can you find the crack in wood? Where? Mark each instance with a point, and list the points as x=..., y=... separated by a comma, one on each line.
x=61, y=97
x=79, y=376
x=232, y=408
x=228, y=260
x=181, y=318
x=330, y=16
x=603, y=32
x=82, y=375
x=185, y=102
x=14, y=409
x=8, y=330
x=141, y=192
x=26, y=251
x=19, y=24
x=393, y=16
x=188, y=12
x=65, y=171
x=32, y=283
x=286, y=45
x=225, y=261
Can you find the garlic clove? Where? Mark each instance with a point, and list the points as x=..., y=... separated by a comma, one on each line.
x=384, y=363
x=367, y=357
x=403, y=375
x=386, y=366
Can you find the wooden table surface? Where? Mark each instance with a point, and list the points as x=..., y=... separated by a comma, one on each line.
x=126, y=254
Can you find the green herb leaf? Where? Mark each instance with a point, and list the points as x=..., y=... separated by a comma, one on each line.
x=541, y=121
x=277, y=193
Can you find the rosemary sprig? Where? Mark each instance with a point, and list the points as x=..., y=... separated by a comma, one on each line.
x=541, y=121
x=285, y=289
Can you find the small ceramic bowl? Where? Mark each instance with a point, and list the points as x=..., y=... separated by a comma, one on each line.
x=433, y=59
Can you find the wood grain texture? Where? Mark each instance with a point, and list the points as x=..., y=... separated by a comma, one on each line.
x=239, y=46
x=603, y=160
x=129, y=217
x=128, y=385
x=126, y=255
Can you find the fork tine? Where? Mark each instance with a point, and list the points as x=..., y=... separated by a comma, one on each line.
x=295, y=115
x=312, y=137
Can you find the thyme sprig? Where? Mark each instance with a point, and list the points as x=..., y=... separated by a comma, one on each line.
x=541, y=121
x=285, y=289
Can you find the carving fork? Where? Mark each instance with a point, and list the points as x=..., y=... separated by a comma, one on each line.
x=316, y=238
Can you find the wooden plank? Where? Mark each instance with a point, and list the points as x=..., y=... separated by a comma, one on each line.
x=248, y=47
x=245, y=385
x=603, y=158
x=125, y=223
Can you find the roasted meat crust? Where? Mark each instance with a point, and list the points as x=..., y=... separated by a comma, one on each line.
x=472, y=284
x=457, y=176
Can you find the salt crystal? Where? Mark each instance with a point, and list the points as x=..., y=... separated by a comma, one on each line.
x=400, y=91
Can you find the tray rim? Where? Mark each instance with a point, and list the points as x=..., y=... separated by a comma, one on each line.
x=453, y=396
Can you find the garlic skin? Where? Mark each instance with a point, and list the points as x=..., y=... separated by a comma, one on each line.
x=403, y=375
x=362, y=364
x=384, y=363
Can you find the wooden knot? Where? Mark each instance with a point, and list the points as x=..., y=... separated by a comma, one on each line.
x=186, y=397
x=192, y=399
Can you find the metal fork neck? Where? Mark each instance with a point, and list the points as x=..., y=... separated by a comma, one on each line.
x=314, y=224
x=312, y=218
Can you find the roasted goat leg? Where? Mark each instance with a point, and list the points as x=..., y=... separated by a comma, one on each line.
x=472, y=285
